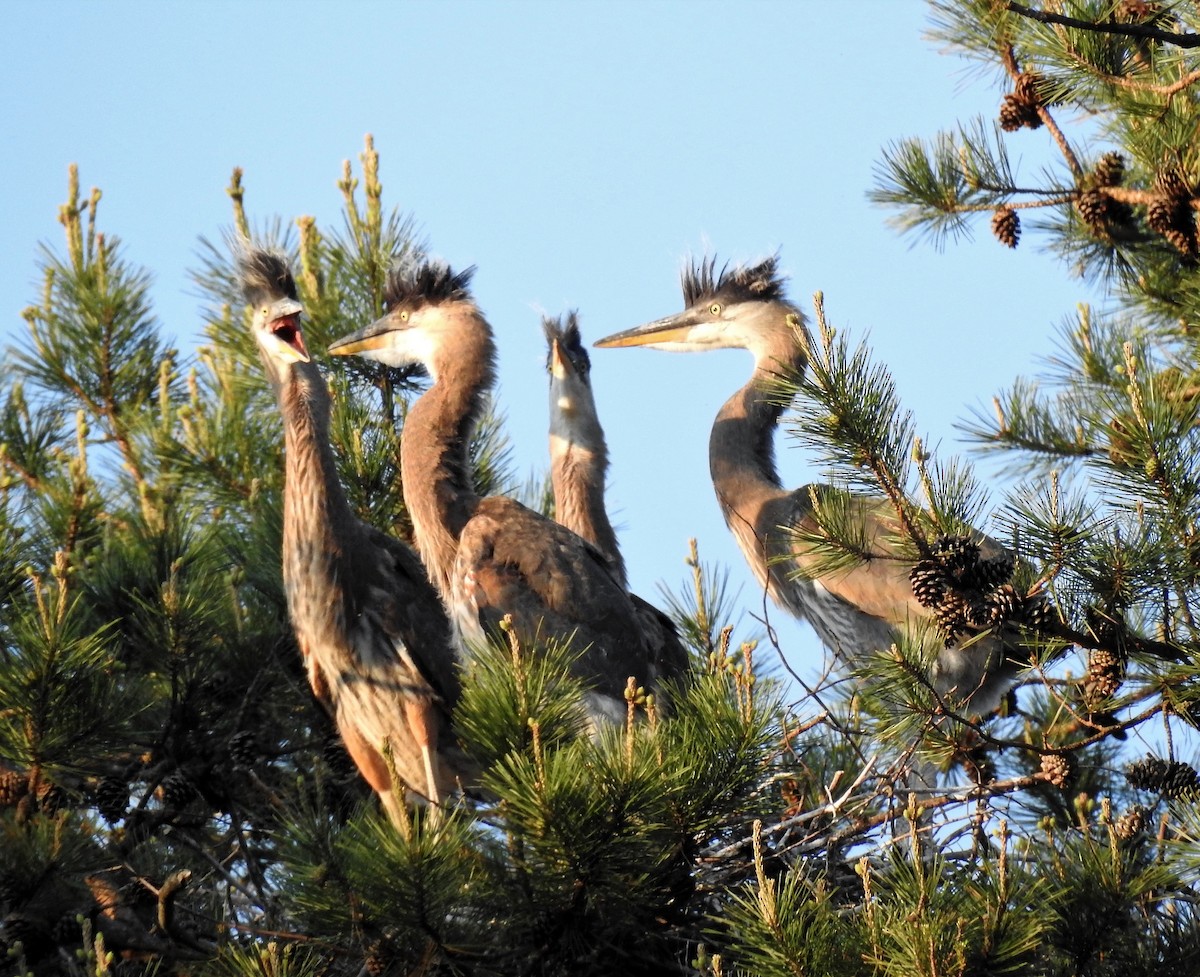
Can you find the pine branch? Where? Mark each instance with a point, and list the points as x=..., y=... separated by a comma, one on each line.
x=1147, y=32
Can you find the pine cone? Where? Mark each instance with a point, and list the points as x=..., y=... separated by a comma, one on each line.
x=50, y=797
x=1001, y=604
x=243, y=748
x=1109, y=171
x=339, y=762
x=1056, y=768
x=1137, y=11
x=995, y=571
x=1036, y=612
x=13, y=786
x=177, y=790
x=1028, y=88
x=1172, y=217
x=31, y=932
x=1171, y=778
x=956, y=554
x=1020, y=108
x=979, y=766
x=1006, y=226
x=928, y=582
x=1132, y=823
x=112, y=799
x=1016, y=112
x=1093, y=207
x=379, y=956
x=1171, y=184
x=1105, y=673
x=1160, y=214
x=952, y=616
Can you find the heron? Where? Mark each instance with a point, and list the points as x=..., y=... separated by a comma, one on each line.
x=491, y=558
x=578, y=452
x=854, y=611
x=374, y=635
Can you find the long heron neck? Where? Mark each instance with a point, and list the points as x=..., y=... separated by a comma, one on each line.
x=577, y=475
x=434, y=458
x=317, y=521
x=741, y=447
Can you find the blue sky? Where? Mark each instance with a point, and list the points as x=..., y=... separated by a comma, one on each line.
x=575, y=152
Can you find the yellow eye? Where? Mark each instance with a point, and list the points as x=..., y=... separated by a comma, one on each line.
x=715, y=308
x=404, y=316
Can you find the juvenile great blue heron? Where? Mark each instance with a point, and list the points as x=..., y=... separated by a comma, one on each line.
x=375, y=638
x=853, y=611
x=578, y=452
x=491, y=557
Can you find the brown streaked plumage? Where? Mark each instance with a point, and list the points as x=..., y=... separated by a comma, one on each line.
x=853, y=611
x=491, y=557
x=375, y=637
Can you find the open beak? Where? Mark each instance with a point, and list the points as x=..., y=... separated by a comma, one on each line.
x=283, y=319
x=366, y=340
x=672, y=329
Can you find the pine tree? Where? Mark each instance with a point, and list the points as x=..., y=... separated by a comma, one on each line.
x=172, y=799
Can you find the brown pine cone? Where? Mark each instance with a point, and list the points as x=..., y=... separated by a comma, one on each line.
x=1171, y=778
x=1006, y=226
x=13, y=786
x=1056, y=768
x=1109, y=171
x=1105, y=673
x=112, y=799
x=928, y=582
x=1132, y=823
x=1016, y=112
x=1093, y=208
x=1001, y=604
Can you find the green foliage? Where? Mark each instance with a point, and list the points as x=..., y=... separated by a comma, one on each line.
x=174, y=800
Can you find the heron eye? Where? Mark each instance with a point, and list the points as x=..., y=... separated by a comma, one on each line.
x=715, y=308
x=404, y=316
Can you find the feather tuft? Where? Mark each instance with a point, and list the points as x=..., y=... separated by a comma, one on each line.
x=761, y=282
x=265, y=277
x=413, y=285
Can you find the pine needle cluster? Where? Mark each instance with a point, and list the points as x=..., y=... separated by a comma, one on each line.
x=172, y=800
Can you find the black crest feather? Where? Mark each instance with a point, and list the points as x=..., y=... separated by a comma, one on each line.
x=416, y=284
x=569, y=338
x=265, y=277
x=761, y=282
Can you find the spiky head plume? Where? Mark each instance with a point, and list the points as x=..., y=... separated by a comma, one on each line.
x=761, y=282
x=569, y=339
x=265, y=277
x=413, y=285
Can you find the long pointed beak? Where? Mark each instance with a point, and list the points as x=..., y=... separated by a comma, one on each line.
x=560, y=365
x=672, y=329
x=364, y=340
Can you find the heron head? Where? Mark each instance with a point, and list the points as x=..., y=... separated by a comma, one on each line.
x=738, y=308
x=270, y=291
x=567, y=360
x=572, y=405
x=416, y=324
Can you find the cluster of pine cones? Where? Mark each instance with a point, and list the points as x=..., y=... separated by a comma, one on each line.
x=1170, y=213
x=966, y=591
x=1171, y=778
x=1020, y=106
